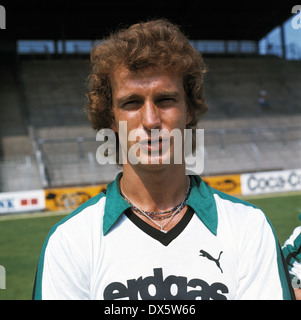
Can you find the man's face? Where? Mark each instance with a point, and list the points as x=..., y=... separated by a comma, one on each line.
x=146, y=100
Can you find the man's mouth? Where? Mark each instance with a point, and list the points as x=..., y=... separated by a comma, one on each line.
x=152, y=144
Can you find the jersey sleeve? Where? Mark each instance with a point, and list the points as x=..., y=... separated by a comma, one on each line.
x=262, y=271
x=61, y=273
x=292, y=253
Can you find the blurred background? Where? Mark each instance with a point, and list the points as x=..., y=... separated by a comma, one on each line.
x=253, y=86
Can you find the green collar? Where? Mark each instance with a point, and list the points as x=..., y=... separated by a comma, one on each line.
x=200, y=199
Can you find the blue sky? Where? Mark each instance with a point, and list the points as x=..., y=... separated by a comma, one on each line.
x=292, y=40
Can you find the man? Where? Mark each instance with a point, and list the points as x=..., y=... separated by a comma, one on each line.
x=292, y=253
x=157, y=233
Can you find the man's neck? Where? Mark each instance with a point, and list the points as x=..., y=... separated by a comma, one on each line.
x=154, y=190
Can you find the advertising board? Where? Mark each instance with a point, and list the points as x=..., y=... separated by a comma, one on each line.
x=60, y=199
x=271, y=181
x=229, y=184
x=22, y=201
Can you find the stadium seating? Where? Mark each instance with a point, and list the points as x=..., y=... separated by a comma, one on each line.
x=233, y=84
x=54, y=91
x=11, y=111
x=61, y=146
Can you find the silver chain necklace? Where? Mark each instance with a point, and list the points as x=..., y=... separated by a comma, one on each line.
x=181, y=206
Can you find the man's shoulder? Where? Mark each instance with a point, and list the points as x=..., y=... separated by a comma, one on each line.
x=236, y=208
x=225, y=197
x=80, y=218
x=246, y=216
x=235, y=200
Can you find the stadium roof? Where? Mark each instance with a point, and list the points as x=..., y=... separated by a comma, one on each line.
x=90, y=19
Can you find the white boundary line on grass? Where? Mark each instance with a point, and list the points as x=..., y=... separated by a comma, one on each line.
x=270, y=195
x=17, y=216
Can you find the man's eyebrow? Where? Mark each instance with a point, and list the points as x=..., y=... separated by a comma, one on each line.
x=163, y=94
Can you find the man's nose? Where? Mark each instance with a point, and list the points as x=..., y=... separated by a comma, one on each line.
x=150, y=116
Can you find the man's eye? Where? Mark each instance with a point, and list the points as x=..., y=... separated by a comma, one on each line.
x=166, y=101
x=131, y=104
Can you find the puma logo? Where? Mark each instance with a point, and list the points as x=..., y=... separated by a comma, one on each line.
x=209, y=256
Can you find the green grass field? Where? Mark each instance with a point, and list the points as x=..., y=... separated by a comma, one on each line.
x=22, y=237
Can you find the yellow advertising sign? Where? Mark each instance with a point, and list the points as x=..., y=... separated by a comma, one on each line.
x=229, y=184
x=58, y=199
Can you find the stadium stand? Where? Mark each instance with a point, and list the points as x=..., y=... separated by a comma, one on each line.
x=233, y=84
x=17, y=169
x=45, y=137
x=54, y=91
x=60, y=146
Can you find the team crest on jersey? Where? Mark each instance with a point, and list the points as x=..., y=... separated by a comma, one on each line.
x=171, y=288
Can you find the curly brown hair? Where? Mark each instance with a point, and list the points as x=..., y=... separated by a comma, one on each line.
x=157, y=43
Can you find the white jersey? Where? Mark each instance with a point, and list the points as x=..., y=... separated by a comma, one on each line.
x=292, y=253
x=223, y=248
